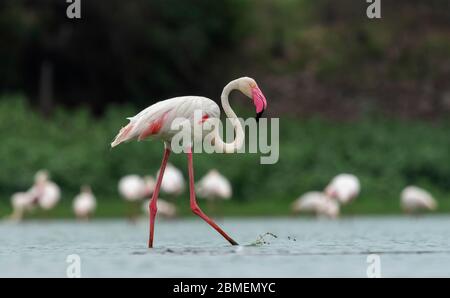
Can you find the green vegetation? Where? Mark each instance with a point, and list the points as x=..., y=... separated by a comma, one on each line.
x=74, y=146
x=351, y=94
x=314, y=56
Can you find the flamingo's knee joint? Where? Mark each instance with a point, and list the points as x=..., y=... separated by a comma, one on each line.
x=153, y=210
x=196, y=210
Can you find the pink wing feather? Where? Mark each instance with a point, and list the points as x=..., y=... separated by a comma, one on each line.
x=154, y=120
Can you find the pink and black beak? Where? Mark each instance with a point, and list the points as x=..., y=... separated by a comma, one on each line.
x=259, y=100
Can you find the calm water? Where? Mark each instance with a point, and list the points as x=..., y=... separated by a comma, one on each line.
x=189, y=248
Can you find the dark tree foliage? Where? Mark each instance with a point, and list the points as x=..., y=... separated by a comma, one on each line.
x=119, y=51
x=321, y=57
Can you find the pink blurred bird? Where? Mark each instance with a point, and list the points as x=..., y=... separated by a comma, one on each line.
x=344, y=188
x=84, y=203
x=156, y=120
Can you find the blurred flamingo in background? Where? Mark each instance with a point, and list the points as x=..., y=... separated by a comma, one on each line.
x=44, y=193
x=414, y=199
x=84, y=204
x=173, y=181
x=166, y=209
x=214, y=187
x=318, y=203
x=22, y=202
x=344, y=188
x=47, y=192
x=156, y=120
x=134, y=189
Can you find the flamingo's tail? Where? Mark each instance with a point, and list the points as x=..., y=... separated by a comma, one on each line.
x=123, y=135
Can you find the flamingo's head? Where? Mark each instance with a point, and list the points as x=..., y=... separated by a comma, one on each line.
x=249, y=87
x=41, y=177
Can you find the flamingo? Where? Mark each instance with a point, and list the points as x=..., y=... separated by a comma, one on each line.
x=43, y=193
x=85, y=203
x=21, y=202
x=214, y=186
x=344, y=188
x=165, y=208
x=47, y=192
x=317, y=202
x=133, y=189
x=155, y=121
x=173, y=180
x=413, y=199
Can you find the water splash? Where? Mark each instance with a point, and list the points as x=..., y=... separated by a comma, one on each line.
x=292, y=238
x=261, y=240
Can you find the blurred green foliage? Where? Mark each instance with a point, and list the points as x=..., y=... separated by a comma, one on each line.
x=118, y=51
x=316, y=60
x=324, y=51
x=386, y=154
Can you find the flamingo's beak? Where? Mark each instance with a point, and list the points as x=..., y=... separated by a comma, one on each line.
x=259, y=100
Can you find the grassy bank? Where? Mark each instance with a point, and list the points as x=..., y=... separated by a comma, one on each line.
x=119, y=209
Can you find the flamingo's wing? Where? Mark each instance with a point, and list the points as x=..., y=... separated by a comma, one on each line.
x=50, y=196
x=139, y=124
x=157, y=118
x=428, y=202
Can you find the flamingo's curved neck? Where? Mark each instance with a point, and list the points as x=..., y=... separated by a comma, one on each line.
x=238, y=141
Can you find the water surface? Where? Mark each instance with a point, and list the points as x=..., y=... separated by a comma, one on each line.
x=303, y=247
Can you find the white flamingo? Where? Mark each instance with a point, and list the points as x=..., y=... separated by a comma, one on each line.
x=414, y=199
x=343, y=187
x=22, y=202
x=166, y=209
x=43, y=193
x=156, y=120
x=173, y=180
x=214, y=186
x=135, y=188
x=47, y=192
x=318, y=203
x=84, y=203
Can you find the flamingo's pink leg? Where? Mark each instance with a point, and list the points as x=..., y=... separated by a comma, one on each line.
x=194, y=206
x=153, y=201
